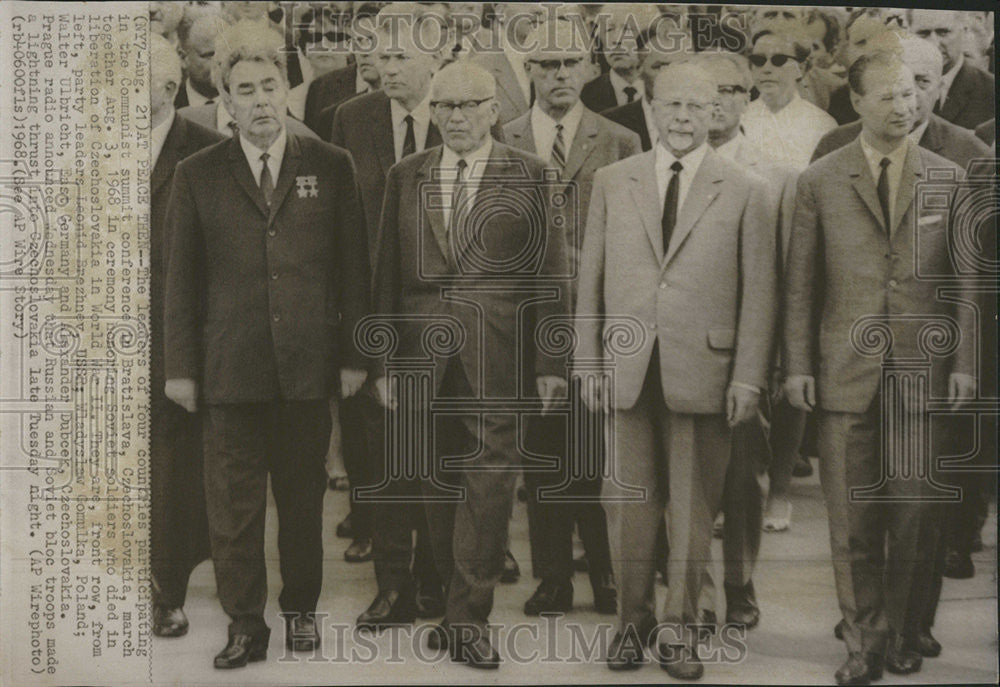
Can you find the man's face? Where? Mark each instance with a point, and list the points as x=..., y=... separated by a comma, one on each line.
x=927, y=78
x=463, y=128
x=778, y=19
x=325, y=51
x=944, y=29
x=520, y=19
x=162, y=89
x=405, y=70
x=812, y=35
x=731, y=99
x=199, y=53
x=888, y=107
x=621, y=48
x=257, y=99
x=769, y=78
x=164, y=17
x=558, y=76
x=863, y=30
x=363, y=48
x=682, y=108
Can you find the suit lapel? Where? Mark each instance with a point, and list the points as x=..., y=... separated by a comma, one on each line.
x=912, y=173
x=645, y=193
x=704, y=189
x=244, y=176
x=433, y=211
x=521, y=134
x=289, y=169
x=583, y=144
x=932, y=138
x=507, y=81
x=382, y=135
x=170, y=154
x=861, y=180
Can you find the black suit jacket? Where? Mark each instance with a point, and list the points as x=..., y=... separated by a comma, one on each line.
x=840, y=107
x=329, y=90
x=261, y=301
x=181, y=99
x=598, y=94
x=970, y=100
x=948, y=140
x=987, y=132
x=631, y=116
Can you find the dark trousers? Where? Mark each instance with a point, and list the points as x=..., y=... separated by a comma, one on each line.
x=356, y=416
x=178, y=524
x=578, y=475
x=244, y=442
x=469, y=538
x=877, y=547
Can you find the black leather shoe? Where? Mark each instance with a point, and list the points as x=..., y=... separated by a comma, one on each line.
x=857, y=670
x=626, y=649
x=389, y=609
x=169, y=622
x=240, y=650
x=838, y=630
x=605, y=595
x=360, y=550
x=925, y=644
x=741, y=605
x=345, y=529
x=476, y=653
x=958, y=566
x=680, y=661
x=437, y=638
x=900, y=658
x=429, y=600
x=511, y=571
x=707, y=625
x=301, y=633
x=552, y=596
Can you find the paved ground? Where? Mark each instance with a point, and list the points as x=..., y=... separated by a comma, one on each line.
x=793, y=644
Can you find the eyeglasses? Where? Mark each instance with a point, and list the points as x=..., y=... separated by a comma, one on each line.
x=673, y=106
x=730, y=89
x=554, y=65
x=778, y=60
x=446, y=108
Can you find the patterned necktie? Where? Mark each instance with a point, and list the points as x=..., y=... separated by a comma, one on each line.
x=266, y=183
x=883, y=193
x=558, y=158
x=630, y=93
x=670, y=205
x=410, y=140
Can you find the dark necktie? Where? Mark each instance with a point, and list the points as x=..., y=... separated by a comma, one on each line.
x=883, y=193
x=410, y=140
x=630, y=93
x=457, y=196
x=559, y=150
x=670, y=204
x=266, y=183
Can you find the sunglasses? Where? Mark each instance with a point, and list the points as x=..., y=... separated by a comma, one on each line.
x=778, y=60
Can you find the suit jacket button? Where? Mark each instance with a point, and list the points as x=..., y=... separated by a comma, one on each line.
x=272, y=232
x=274, y=275
x=276, y=317
x=663, y=284
x=893, y=283
x=652, y=325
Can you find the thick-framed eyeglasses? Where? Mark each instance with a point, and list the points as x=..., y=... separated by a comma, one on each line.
x=778, y=59
x=674, y=106
x=554, y=65
x=447, y=107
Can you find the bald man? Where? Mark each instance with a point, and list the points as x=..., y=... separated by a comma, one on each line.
x=466, y=247
x=196, y=43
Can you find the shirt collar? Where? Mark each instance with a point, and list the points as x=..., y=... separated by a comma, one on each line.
x=276, y=151
x=421, y=113
x=948, y=78
x=476, y=159
x=621, y=84
x=570, y=120
x=691, y=161
x=159, y=134
x=874, y=157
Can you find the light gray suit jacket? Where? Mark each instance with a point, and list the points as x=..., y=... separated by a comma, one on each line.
x=709, y=302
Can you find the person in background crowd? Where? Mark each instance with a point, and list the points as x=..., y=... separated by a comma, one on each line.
x=324, y=52
x=196, y=36
x=623, y=43
x=638, y=115
x=515, y=21
x=164, y=18
x=780, y=123
x=818, y=32
x=862, y=25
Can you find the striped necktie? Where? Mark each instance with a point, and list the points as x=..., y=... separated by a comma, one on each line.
x=558, y=158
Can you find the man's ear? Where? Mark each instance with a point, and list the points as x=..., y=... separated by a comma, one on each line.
x=494, y=112
x=171, y=87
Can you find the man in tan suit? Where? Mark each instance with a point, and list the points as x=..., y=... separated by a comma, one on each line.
x=854, y=243
x=682, y=241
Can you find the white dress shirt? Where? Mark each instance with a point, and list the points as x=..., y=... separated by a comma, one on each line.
x=789, y=135
x=620, y=84
x=894, y=171
x=948, y=79
x=276, y=152
x=691, y=162
x=543, y=128
x=647, y=112
x=476, y=161
x=421, y=120
x=158, y=136
x=196, y=99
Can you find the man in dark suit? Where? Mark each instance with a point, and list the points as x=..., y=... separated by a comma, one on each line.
x=967, y=93
x=577, y=142
x=178, y=527
x=266, y=278
x=380, y=129
x=638, y=114
x=853, y=248
x=624, y=50
x=422, y=248
x=196, y=36
x=681, y=240
x=987, y=131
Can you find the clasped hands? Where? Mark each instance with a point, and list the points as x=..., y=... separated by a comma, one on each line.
x=184, y=392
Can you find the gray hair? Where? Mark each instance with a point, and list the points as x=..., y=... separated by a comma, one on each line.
x=246, y=40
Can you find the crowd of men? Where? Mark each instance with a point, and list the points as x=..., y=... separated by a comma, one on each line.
x=732, y=186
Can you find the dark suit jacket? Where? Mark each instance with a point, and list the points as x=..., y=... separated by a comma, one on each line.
x=261, y=302
x=181, y=99
x=948, y=140
x=971, y=99
x=987, y=132
x=519, y=248
x=843, y=256
x=840, y=107
x=631, y=116
x=597, y=143
x=598, y=94
x=326, y=91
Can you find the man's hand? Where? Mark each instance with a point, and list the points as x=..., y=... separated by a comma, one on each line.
x=382, y=392
x=801, y=392
x=351, y=380
x=741, y=404
x=183, y=392
x=592, y=397
x=961, y=388
x=550, y=388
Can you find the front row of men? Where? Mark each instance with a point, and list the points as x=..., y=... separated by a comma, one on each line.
x=266, y=254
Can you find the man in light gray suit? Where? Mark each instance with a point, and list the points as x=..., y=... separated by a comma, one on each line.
x=682, y=241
